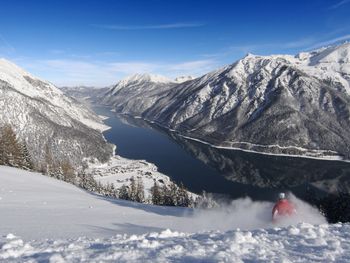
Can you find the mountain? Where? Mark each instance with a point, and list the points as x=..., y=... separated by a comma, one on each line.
x=84, y=94
x=45, y=118
x=282, y=104
x=183, y=79
x=137, y=93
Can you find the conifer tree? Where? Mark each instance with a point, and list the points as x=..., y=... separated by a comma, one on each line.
x=183, y=199
x=48, y=165
x=2, y=149
x=27, y=162
x=11, y=147
x=124, y=192
x=140, y=191
x=173, y=192
x=68, y=171
x=168, y=196
x=156, y=197
x=133, y=189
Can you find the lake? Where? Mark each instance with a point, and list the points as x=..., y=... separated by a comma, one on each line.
x=229, y=173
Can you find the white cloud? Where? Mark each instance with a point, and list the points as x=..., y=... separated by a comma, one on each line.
x=69, y=72
x=339, y=4
x=330, y=41
x=149, y=27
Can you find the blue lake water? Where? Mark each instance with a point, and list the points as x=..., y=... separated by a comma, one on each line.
x=231, y=173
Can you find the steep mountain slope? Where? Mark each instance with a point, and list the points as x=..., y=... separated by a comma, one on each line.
x=137, y=93
x=277, y=104
x=42, y=115
x=84, y=94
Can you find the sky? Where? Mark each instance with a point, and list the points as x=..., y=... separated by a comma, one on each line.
x=96, y=43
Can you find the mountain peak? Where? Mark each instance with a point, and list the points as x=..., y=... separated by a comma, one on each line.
x=145, y=77
x=182, y=79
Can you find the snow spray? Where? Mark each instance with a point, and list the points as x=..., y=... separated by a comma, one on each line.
x=246, y=214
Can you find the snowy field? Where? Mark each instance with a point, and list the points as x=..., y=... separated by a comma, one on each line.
x=46, y=220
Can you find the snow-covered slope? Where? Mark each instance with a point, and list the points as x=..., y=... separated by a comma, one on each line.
x=86, y=95
x=42, y=115
x=136, y=93
x=279, y=104
x=46, y=220
x=183, y=79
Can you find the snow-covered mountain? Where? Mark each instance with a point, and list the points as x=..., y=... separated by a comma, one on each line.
x=279, y=104
x=137, y=93
x=183, y=79
x=42, y=115
x=85, y=94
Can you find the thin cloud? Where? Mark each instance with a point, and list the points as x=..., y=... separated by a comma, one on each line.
x=329, y=42
x=149, y=27
x=70, y=72
x=339, y=4
x=303, y=44
x=6, y=46
x=256, y=48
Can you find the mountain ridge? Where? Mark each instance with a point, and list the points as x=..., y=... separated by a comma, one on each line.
x=262, y=100
x=42, y=115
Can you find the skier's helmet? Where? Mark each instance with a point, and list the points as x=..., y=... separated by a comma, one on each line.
x=282, y=196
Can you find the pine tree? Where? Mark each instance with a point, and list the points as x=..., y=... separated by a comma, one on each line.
x=27, y=162
x=183, y=199
x=169, y=195
x=124, y=192
x=173, y=191
x=11, y=148
x=68, y=171
x=2, y=149
x=155, y=194
x=140, y=191
x=48, y=164
x=114, y=193
x=133, y=189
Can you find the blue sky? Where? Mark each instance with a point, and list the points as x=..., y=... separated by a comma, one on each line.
x=98, y=42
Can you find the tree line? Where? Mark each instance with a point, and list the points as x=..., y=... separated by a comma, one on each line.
x=12, y=151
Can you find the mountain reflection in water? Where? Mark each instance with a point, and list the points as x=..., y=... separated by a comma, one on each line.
x=237, y=173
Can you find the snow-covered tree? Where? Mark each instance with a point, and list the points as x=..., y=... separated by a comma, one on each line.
x=124, y=192
x=133, y=189
x=26, y=161
x=156, y=196
x=140, y=191
x=11, y=151
x=68, y=171
x=183, y=198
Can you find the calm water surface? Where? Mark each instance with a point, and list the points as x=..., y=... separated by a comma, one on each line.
x=229, y=172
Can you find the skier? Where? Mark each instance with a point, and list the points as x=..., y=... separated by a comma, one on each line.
x=282, y=208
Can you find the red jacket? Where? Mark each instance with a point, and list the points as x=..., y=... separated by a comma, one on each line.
x=283, y=208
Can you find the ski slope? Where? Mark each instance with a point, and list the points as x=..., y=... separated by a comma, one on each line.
x=46, y=220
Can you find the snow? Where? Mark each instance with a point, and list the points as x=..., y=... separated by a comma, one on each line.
x=182, y=79
x=46, y=220
x=301, y=243
x=139, y=78
x=29, y=85
x=120, y=171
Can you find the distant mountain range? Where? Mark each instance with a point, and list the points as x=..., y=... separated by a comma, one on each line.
x=45, y=118
x=280, y=104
